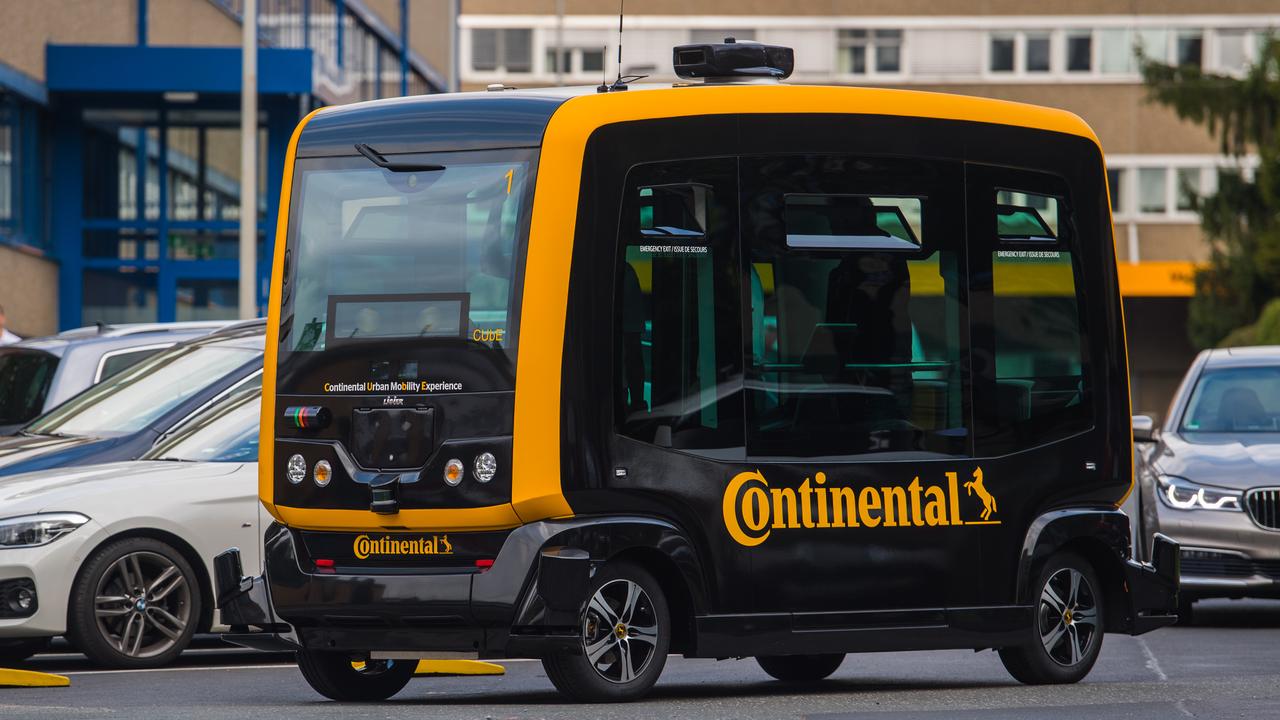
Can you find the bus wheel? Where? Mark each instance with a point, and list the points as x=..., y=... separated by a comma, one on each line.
x=625, y=635
x=800, y=668
x=1066, y=635
x=332, y=675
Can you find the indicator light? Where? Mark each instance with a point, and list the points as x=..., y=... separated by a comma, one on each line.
x=324, y=563
x=297, y=469
x=323, y=473
x=484, y=563
x=453, y=471
x=486, y=466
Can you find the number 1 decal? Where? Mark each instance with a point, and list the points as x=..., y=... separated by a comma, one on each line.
x=510, y=174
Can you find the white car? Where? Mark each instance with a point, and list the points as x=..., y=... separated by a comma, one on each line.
x=118, y=557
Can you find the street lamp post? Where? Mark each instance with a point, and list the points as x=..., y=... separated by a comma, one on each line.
x=249, y=162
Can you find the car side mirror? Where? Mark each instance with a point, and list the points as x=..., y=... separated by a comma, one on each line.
x=1144, y=428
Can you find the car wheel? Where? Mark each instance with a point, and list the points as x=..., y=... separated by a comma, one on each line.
x=1066, y=634
x=135, y=604
x=333, y=675
x=625, y=633
x=15, y=650
x=800, y=668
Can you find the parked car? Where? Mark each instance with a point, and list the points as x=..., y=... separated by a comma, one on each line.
x=124, y=416
x=1210, y=476
x=117, y=557
x=39, y=374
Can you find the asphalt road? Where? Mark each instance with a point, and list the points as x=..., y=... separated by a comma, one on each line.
x=1225, y=666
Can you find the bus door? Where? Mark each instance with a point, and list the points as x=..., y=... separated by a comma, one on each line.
x=1033, y=390
x=856, y=389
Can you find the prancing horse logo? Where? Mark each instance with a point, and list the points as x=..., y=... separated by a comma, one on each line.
x=988, y=502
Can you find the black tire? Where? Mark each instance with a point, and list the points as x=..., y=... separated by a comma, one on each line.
x=332, y=675
x=1062, y=645
x=1186, y=611
x=588, y=676
x=800, y=668
x=168, y=615
x=17, y=650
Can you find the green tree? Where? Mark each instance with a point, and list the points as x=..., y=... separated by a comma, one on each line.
x=1242, y=218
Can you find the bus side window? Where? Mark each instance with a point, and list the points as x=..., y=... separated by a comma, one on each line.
x=1042, y=385
x=855, y=314
x=678, y=339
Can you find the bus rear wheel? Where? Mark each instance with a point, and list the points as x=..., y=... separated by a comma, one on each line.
x=625, y=632
x=333, y=675
x=1066, y=634
x=800, y=668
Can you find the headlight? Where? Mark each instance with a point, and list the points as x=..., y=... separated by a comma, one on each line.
x=1182, y=494
x=35, y=530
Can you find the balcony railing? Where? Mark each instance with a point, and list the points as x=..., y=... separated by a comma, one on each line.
x=356, y=55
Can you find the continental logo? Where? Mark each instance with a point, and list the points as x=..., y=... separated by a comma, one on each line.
x=753, y=510
x=366, y=547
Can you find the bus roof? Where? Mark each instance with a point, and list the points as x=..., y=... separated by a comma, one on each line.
x=518, y=118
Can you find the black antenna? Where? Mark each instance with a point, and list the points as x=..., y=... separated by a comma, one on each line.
x=621, y=5
x=621, y=82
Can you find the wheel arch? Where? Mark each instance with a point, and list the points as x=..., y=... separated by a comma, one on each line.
x=1099, y=536
x=183, y=547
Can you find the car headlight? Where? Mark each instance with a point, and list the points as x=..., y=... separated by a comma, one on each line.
x=1182, y=494
x=35, y=530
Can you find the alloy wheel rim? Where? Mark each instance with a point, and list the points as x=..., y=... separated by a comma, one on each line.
x=620, y=631
x=142, y=604
x=1067, y=617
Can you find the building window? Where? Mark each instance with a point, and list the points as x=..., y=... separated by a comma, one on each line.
x=864, y=52
x=1190, y=48
x=1038, y=52
x=1003, y=51
x=575, y=61
x=1116, y=51
x=502, y=50
x=1152, y=191
x=1115, y=185
x=21, y=217
x=1079, y=51
x=1189, y=188
x=1233, y=50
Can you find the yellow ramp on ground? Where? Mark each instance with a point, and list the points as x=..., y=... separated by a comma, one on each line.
x=458, y=667
x=29, y=678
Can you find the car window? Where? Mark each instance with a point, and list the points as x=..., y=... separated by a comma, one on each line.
x=114, y=364
x=25, y=378
x=225, y=432
x=138, y=396
x=1235, y=400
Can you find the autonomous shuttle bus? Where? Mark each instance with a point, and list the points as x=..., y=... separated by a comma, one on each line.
x=727, y=369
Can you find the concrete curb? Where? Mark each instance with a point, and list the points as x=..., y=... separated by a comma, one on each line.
x=30, y=678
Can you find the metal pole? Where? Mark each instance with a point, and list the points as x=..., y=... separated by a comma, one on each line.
x=560, y=53
x=404, y=48
x=249, y=162
x=455, y=8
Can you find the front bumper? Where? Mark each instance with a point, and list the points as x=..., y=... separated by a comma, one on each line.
x=1153, y=587
x=52, y=567
x=501, y=611
x=1224, y=554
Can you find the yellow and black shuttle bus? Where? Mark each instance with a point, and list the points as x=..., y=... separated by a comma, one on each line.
x=727, y=369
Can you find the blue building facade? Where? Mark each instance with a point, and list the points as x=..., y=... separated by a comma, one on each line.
x=122, y=166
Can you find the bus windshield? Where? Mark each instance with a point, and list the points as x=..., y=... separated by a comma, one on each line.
x=424, y=257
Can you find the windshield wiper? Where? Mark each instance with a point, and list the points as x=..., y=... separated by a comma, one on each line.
x=381, y=161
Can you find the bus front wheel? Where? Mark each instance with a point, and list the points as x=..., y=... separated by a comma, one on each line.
x=800, y=668
x=1066, y=633
x=333, y=675
x=625, y=631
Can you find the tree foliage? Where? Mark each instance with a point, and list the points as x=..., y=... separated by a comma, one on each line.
x=1242, y=217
